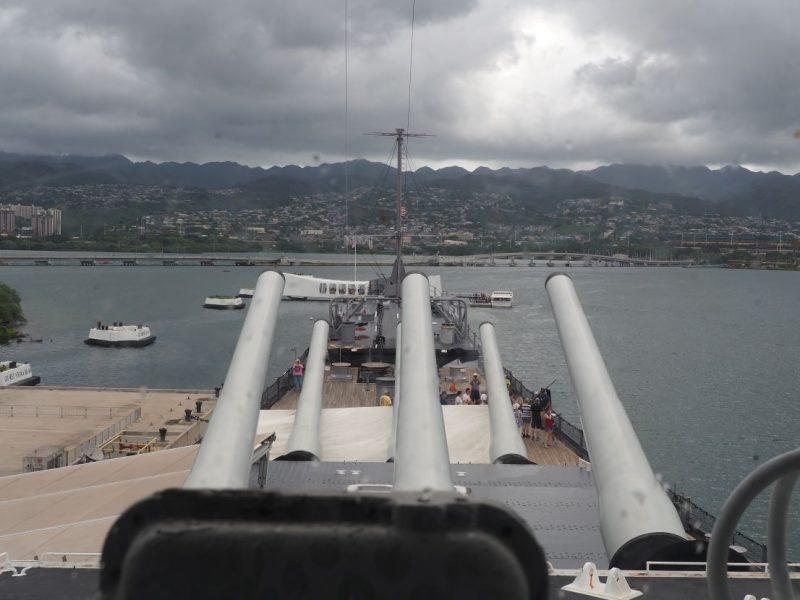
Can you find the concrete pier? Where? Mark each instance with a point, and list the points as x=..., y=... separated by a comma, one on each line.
x=61, y=424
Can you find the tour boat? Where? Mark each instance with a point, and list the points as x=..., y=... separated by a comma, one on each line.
x=246, y=293
x=478, y=300
x=17, y=373
x=502, y=299
x=119, y=335
x=224, y=302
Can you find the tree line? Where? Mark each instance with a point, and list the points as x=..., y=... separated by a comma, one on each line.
x=10, y=312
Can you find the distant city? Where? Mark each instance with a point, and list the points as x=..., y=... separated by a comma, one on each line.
x=451, y=211
x=27, y=221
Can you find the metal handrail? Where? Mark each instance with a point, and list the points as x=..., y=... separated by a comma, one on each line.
x=280, y=386
x=695, y=519
x=703, y=564
x=780, y=469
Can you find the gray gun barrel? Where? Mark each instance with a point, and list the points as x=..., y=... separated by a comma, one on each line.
x=506, y=446
x=396, y=403
x=637, y=519
x=421, y=457
x=304, y=443
x=223, y=460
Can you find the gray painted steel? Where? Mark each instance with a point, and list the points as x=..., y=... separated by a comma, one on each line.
x=223, y=460
x=777, y=527
x=505, y=439
x=421, y=460
x=79, y=584
x=558, y=503
x=398, y=361
x=632, y=501
x=306, y=426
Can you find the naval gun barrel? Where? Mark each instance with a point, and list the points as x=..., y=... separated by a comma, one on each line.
x=421, y=457
x=637, y=519
x=223, y=460
x=398, y=362
x=506, y=446
x=304, y=443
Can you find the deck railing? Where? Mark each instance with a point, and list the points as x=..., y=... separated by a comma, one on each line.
x=61, y=412
x=280, y=386
x=700, y=522
x=565, y=431
x=696, y=521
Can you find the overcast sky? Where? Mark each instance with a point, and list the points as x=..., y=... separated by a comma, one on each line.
x=572, y=83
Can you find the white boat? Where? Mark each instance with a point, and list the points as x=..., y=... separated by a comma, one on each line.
x=120, y=335
x=309, y=287
x=17, y=373
x=477, y=299
x=224, y=302
x=502, y=299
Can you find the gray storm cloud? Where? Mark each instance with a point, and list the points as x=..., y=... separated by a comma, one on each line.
x=501, y=82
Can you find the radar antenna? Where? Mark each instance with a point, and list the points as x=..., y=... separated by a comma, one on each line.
x=399, y=134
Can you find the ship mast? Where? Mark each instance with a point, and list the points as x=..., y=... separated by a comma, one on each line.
x=397, y=272
x=399, y=218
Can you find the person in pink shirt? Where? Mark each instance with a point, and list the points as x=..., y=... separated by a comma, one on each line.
x=297, y=373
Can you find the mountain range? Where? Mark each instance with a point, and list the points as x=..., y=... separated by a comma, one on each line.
x=729, y=190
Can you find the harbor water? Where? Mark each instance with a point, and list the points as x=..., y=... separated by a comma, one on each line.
x=704, y=360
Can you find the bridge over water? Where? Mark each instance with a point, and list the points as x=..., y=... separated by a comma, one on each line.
x=558, y=259
x=532, y=259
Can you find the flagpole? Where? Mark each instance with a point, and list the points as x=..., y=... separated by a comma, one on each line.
x=355, y=260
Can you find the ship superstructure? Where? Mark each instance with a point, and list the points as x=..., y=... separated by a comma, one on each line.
x=363, y=328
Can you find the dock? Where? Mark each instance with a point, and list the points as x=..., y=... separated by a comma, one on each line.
x=49, y=427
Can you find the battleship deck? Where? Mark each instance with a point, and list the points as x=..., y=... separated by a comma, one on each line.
x=349, y=393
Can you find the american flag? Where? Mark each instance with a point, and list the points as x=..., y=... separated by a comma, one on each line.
x=403, y=211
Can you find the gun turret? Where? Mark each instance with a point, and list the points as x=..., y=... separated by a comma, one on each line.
x=428, y=541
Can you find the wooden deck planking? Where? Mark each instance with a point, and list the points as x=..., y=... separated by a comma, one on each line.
x=351, y=394
x=336, y=394
x=559, y=454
